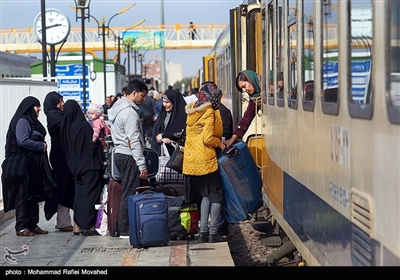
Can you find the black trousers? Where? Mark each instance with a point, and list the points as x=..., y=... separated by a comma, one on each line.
x=26, y=212
x=130, y=181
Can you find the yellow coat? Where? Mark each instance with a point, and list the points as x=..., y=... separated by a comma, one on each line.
x=203, y=135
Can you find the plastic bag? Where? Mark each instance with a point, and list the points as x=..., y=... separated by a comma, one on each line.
x=101, y=221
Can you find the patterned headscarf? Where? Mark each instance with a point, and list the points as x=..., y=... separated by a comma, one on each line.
x=209, y=92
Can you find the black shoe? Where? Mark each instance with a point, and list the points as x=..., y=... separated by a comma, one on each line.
x=214, y=238
x=203, y=237
x=88, y=232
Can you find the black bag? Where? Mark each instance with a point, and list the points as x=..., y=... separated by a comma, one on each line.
x=175, y=162
x=176, y=229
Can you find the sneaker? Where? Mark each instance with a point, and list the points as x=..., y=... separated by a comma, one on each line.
x=124, y=236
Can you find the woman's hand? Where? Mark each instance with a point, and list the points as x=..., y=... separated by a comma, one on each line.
x=230, y=141
x=166, y=140
x=222, y=146
x=159, y=138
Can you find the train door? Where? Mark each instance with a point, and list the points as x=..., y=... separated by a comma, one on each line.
x=251, y=26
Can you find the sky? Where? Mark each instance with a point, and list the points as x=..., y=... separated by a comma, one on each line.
x=21, y=13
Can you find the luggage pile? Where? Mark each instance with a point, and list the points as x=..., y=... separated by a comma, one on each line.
x=115, y=185
x=158, y=212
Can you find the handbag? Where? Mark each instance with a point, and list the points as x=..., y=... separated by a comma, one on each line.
x=175, y=162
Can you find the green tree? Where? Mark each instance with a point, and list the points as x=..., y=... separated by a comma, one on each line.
x=187, y=81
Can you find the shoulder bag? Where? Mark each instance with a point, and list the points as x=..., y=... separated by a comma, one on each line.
x=175, y=162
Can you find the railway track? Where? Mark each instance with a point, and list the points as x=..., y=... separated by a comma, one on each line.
x=254, y=243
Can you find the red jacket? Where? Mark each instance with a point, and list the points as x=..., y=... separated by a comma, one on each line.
x=246, y=120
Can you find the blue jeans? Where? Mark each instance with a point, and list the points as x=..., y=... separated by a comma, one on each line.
x=215, y=213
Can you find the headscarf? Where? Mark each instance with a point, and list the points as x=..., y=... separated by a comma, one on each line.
x=254, y=79
x=53, y=113
x=24, y=110
x=177, y=120
x=209, y=92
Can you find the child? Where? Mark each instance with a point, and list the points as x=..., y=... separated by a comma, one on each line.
x=100, y=128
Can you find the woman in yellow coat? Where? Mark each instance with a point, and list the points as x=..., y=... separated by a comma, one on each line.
x=200, y=165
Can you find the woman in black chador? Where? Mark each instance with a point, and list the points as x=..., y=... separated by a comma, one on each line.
x=85, y=160
x=170, y=121
x=53, y=108
x=27, y=175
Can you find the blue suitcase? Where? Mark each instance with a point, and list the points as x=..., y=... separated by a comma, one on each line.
x=241, y=183
x=148, y=219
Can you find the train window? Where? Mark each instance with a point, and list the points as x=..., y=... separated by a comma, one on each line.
x=394, y=62
x=292, y=40
x=307, y=65
x=253, y=40
x=280, y=55
x=264, y=78
x=360, y=102
x=270, y=53
x=330, y=57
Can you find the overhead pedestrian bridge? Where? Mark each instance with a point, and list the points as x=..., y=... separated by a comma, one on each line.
x=176, y=36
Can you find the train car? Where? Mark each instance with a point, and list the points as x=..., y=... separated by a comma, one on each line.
x=15, y=66
x=330, y=152
x=238, y=47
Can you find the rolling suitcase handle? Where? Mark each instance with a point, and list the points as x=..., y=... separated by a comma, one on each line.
x=231, y=152
x=148, y=192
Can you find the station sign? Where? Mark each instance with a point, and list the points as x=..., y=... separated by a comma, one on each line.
x=70, y=82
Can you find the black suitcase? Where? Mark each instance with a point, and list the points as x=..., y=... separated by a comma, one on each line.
x=151, y=157
x=171, y=189
x=176, y=229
